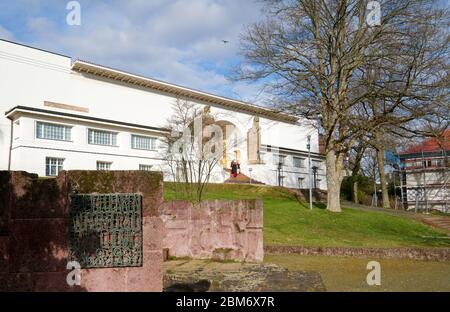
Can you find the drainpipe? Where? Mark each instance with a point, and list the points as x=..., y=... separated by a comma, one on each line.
x=10, y=144
x=308, y=145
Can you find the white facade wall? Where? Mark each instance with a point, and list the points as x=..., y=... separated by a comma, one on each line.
x=29, y=152
x=29, y=77
x=437, y=177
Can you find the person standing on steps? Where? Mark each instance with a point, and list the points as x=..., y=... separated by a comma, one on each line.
x=235, y=168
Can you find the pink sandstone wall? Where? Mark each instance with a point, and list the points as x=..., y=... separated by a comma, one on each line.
x=33, y=231
x=217, y=229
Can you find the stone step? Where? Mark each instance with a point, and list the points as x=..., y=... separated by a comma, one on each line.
x=204, y=275
x=242, y=178
x=438, y=222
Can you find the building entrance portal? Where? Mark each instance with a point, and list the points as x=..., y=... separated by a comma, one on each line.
x=232, y=140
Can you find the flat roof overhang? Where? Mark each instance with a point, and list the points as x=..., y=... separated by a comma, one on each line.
x=13, y=113
x=302, y=153
x=121, y=76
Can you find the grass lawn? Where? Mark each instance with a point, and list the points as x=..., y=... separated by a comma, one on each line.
x=349, y=274
x=288, y=222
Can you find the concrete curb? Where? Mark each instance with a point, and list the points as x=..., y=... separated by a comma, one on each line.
x=425, y=254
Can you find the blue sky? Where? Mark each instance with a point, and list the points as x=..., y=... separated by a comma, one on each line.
x=179, y=41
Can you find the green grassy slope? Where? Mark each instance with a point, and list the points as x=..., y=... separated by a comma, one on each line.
x=288, y=222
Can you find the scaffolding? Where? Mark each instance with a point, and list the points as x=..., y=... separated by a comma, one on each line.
x=430, y=190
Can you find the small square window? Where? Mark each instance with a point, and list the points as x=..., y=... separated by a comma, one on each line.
x=145, y=167
x=103, y=165
x=53, y=166
x=299, y=162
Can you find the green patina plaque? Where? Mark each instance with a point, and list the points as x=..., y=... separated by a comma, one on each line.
x=105, y=230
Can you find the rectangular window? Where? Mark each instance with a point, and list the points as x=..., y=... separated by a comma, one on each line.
x=143, y=143
x=145, y=167
x=99, y=137
x=299, y=162
x=279, y=159
x=51, y=131
x=103, y=165
x=53, y=166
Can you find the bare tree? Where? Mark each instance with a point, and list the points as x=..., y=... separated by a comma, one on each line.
x=313, y=53
x=193, y=149
x=355, y=158
x=406, y=82
x=369, y=168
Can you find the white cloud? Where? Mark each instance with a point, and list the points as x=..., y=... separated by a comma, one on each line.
x=41, y=25
x=6, y=34
x=178, y=41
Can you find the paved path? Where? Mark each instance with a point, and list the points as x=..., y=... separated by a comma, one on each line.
x=403, y=213
x=440, y=222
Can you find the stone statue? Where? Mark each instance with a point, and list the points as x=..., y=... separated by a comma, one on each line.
x=254, y=142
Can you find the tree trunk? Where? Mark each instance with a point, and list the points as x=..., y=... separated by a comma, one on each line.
x=355, y=191
x=333, y=183
x=384, y=189
x=375, y=194
x=355, y=171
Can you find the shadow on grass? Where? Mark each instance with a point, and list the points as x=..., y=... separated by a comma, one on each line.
x=316, y=205
x=319, y=205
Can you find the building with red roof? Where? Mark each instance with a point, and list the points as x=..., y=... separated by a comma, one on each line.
x=426, y=173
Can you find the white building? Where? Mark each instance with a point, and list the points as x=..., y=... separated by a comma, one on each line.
x=61, y=114
x=426, y=173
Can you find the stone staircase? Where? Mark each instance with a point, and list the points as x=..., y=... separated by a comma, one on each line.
x=241, y=178
x=438, y=222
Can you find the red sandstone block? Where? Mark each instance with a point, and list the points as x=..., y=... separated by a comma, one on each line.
x=36, y=198
x=38, y=245
x=166, y=208
x=178, y=245
x=15, y=282
x=175, y=224
x=180, y=208
x=5, y=192
x=215, y=225
x=149, y=184
x=256, y=219
x=241, y=240
x=201, y=214
x=4, y=254
x=226, y=217
x=152, y=233
x=236, y=254
x=150, y=276
x=110, y=279
x=53, y=281
x=255, y=248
